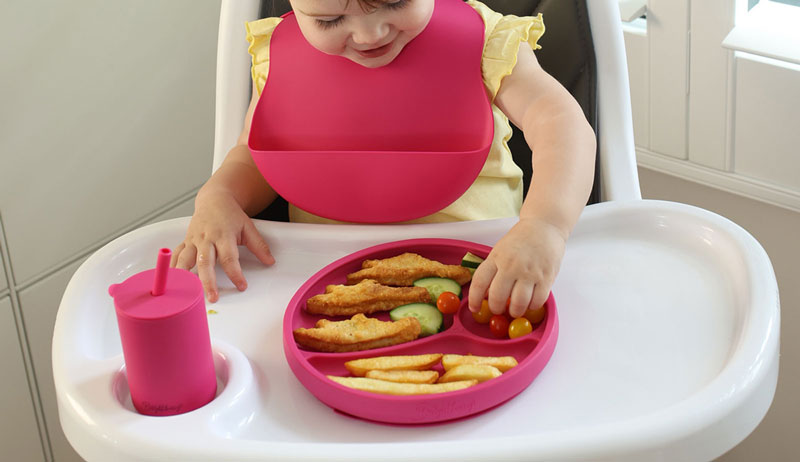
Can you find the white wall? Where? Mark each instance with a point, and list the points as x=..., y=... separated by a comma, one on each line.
x=106, y=123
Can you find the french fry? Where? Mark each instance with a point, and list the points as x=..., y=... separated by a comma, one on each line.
x=395, y=388
x=503, y=363
x=404, y=376
x=359, y=367
x=479, y=372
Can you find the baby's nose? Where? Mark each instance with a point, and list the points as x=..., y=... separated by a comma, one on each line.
x=369, y=31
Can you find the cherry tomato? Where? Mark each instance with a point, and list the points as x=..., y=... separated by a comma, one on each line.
x=519, y=327
x=535, y=315
x=499, y=326
x=448, y=302
x=484, y=315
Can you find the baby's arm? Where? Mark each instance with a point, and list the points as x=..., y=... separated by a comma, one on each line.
x=221, y=220
x=524, y=263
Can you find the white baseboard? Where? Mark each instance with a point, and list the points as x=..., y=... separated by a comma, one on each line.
x=726, y=181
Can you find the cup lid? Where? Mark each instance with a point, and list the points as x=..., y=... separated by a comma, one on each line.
x=134, y=297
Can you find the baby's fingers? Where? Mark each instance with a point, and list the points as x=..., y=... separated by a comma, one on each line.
x=520, y=299
x=184, y=257
x=176, y=252
x=480, y=284
x=500, y=293
x=540, y=295
x=253, y=241
x=206, y=258
x=228, y=258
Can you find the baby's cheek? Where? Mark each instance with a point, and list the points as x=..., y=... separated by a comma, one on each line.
x=418, y=19
x=328, y=47
x=327, y=42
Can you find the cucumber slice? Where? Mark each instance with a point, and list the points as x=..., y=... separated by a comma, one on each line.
x=428, y=315
x=436, y=286
x=471, y=261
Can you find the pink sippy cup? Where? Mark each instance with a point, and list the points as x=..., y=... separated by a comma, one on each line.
x=162, y=323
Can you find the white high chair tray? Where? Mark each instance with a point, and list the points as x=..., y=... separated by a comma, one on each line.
x=667, y=350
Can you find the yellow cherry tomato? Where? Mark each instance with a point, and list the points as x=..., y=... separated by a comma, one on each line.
x=484, y=315
x=519, y=327
x=535, y=315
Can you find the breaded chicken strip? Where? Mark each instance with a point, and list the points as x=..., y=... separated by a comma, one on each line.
x=365, y=297
x=356, y=334
x=404, y=269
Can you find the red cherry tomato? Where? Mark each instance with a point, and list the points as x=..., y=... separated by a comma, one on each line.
x=484, y=315
x=535, y=315
x=519, y=327
x=448, y=302
x=498, y=325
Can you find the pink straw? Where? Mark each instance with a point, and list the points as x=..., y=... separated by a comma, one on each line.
x=162, y=269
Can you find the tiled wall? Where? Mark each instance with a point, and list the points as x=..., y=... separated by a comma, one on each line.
x=111, y=128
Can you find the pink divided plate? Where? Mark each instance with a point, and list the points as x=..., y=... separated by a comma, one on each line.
x=461, y=335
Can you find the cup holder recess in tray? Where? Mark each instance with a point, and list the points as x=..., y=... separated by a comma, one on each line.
x=234, y=378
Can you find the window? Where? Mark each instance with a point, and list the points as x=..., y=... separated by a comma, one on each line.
x=752, y=3
x=768, y=28
x=714, y=87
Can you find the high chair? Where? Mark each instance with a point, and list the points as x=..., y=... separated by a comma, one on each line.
x=594, y=71
x=669, y=315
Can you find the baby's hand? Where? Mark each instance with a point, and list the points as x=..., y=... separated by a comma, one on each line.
x=520, y=268
x=218, y=226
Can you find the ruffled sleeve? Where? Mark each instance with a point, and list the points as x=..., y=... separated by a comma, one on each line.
x=503, y=35
x=259, y=34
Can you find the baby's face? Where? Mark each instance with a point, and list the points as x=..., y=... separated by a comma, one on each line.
x=371, y=39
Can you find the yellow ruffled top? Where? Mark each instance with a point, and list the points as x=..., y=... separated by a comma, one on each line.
x=497, y=192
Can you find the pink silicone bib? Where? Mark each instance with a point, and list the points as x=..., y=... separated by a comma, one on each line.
x=379, y=145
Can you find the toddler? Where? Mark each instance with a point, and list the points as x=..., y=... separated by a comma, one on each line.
x=519, y=272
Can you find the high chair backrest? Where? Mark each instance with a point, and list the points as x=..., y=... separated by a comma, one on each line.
x=583, y=48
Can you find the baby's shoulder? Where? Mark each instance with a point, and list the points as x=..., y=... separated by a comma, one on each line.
x=502, y=38
x=508, y=26
x=489, y=16
x=261, y=28
x=259, y=33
